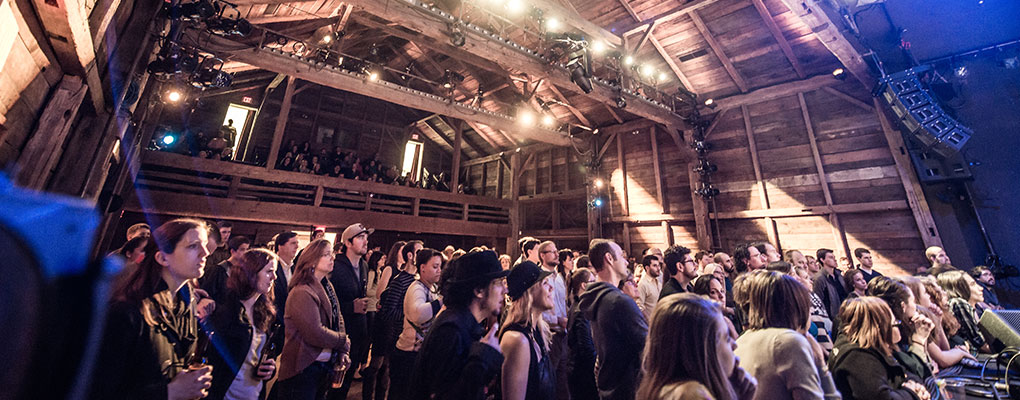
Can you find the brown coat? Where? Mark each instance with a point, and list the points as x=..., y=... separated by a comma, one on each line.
x=306, y=313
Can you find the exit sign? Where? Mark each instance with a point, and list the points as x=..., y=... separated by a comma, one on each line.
x=414, y=136
x=247, y=100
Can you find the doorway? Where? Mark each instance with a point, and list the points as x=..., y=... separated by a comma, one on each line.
x=242, y=117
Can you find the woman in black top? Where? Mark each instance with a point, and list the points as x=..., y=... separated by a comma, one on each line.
x=151, y=331
x=241, y=326
x=580, y=346
x=527, y=370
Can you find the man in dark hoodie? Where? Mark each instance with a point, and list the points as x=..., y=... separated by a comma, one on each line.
x=618, y=327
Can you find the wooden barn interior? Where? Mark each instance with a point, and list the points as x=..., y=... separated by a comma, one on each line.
x=703, y=123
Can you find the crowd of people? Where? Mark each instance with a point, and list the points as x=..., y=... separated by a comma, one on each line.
x=201, y=313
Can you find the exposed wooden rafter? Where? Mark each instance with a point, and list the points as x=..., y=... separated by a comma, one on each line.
x=658, y=46
x=777, y=34
x=828, y=32
x=631, y=28
x=718, y=50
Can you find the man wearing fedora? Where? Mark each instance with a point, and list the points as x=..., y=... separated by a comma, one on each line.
x=460, y=355
x=350, y=272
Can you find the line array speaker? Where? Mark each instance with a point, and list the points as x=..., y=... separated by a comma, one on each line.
x=921, y=114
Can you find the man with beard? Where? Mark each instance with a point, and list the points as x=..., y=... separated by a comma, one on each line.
x=727, y=263
x=460, y=354
x=682, y=267
x=650, y=285
x=349, y=278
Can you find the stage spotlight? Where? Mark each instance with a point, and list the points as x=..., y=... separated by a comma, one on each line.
x=647, y=70
x=548, y=121
x=526, y=117
x=960, y=71
x=662, y=76
x=580, y=78
x=174, y=95
x=710, y=103
x=457, y=38
x=227, y=27
x=515, y=6
x=326, y=39
x=598, y=202
x=628, y=61
x=598, y=47
x=373, y=76
x=620, y=102
x=169, y=140
x=201, y=9
x=599, y=183
x=552, y=24
x=839, y=73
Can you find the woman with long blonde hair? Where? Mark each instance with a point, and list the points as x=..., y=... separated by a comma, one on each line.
x=524, y=340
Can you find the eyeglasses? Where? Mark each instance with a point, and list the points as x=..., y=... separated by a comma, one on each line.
x=897, y=323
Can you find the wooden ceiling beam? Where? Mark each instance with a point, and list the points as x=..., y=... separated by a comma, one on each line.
x=478, y=130
x=658, y=47
x=634, y=27
x=450, y=122
x=813, y=14
x=67, y=28
x=386, y=91
x=718, y=50
x=644, y=37
x=573, y=110
x=777, y=34
x=509, y=58
x=776, y=91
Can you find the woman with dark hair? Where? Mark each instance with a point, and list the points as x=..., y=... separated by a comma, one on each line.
x=911, y=350
x=862, y=364
x=854, y=280
x=316, y=348
x=689, y=353
x=133, y=250
x=964, y=293
x=711, y=287
x=943, y=357
x=421, y=304
x=151, y=331
x=524, y=340
x=940, y=306
x=394, y=262
x=580, y=346
x=776, y=348
x=240, y=328
x=389, y=316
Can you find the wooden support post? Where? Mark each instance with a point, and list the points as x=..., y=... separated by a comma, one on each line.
x=911, y=185
x=515, y=197
x=549, y=172
x=554, y=214
x=458, y=140
x=622, y=164
x=319, y=192
x=415, y=206
x=368, y=202
x=464, y=212
x=838, y=235
x=44, y=147
x=626, y=238
x=281, y=124
x=668, y=232
x=770, y=224
x=656, y=169
x=235, y=181
x=67, y=27
x=499, y=179
x=702, y=225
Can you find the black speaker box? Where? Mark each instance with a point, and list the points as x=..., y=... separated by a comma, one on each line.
x=921, y=113
x=1001, y=328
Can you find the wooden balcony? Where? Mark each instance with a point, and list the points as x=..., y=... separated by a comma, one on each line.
x=175, y=184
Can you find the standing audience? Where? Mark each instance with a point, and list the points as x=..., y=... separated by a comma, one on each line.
x=528, y=371
x=421, y=304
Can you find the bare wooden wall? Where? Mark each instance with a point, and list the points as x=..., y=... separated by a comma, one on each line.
x=805, y=171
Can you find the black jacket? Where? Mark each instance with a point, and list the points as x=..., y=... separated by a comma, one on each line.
x=619, y=331
x=580, y=356
x=230, y=340
x=138, y=358
x=671, y=286
x=214, y=280
x=867, y=374
x=280, y=290
x=349, y=287
x=452, y=363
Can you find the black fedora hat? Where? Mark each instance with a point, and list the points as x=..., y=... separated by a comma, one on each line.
x=476, y=267
x=522, y=277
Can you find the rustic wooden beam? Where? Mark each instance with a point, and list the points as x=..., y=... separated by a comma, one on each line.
x=613, y=113
x=626, y=239
x=771, y=228
x=775, y=92
x=911, y=185
x=67, y=27
x=281, y=123
x=99, y=20
x=458, y=140
x=718, y=50
x=390, y=92
x=813, y=14
x=893, y=205
x=566, y=103
x=702, y=223
x=46, y=144
x=622, y=165
x=777, y=34
x=715, y=122
x=839, y=235
x=452, y=123
x=658, y=47
x=508, y=57
x=200, y=206
x=657, y=171
x=644, y=37
x=478, y=129
x=849, y=99
x=673, y=13
x=515, y=218
x=605, y=146
x=627, y=127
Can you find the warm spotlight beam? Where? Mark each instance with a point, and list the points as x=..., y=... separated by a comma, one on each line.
x=509, y=58
x=337, y=79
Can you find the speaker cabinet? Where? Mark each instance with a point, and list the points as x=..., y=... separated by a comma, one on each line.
x=1001, y=328
x=921, y=114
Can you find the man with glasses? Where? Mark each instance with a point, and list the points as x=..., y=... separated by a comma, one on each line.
x=557, y=317
x=682, y=268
